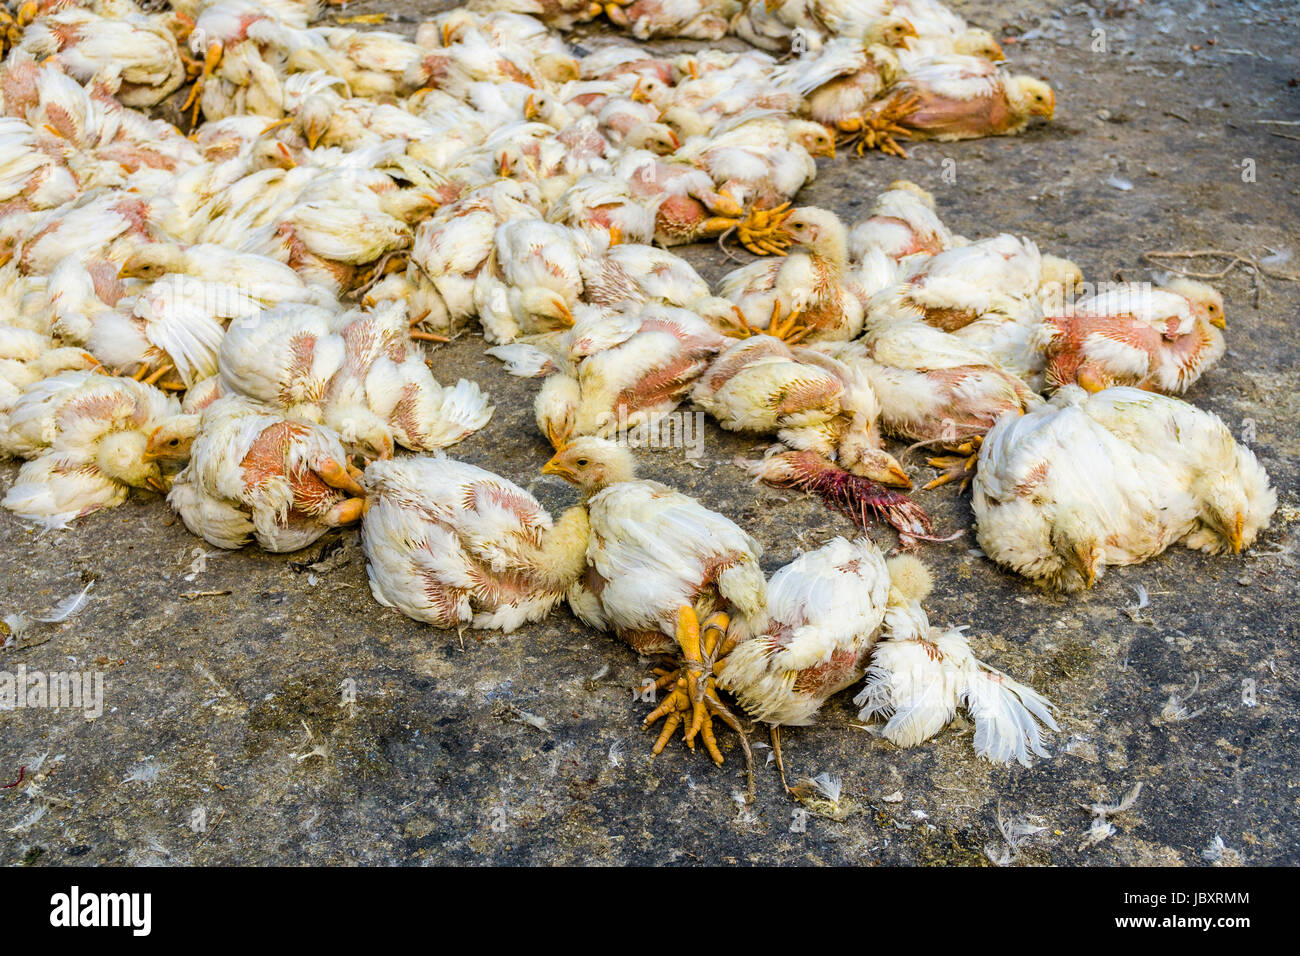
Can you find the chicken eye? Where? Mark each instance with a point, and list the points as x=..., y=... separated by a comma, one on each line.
x=582, y=463
x=174, y=442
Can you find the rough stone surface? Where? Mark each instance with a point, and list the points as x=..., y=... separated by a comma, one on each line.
x=482, y=748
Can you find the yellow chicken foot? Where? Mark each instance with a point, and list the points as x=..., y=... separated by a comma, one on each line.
x=346, y=512
x=776, y=750
x=159, y=373
x=881, y=130
x=761, y=231
x=210, y=62
x=336, y=475
x=959, y=466
x=788, y=329
x=693, y=701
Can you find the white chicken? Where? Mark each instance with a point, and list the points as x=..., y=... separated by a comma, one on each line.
x=1162, y=339
x=86, y=435
x=451, y=544
x=659, y=563
x=254, y=473
x=1174, y=474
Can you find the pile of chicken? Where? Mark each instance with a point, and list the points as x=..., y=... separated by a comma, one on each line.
x=238, y=319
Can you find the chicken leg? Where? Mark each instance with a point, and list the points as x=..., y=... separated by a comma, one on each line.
x=693, y=700
x=959, y=466
x=760, y=231
x=211, y=60
x=880, y=127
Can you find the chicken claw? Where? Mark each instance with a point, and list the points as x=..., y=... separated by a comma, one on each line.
x=788, y=330
x=959, y=466
x=211, y=60
x=760, y=232
x=880, y=129
x=335, y=475
x=693, y=700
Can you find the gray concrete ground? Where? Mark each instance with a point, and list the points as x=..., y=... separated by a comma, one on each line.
x=224, y=739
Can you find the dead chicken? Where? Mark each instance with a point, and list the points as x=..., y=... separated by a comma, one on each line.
x=804, y=295
x=954, y=97
x=807, y=400
x=1000, y=275
x=256, y=473
x=658, y=564
x=1173, y=473
x=694, y=19
x=903, y=222
x=1159, y=339
x=824, y=613
x=628, y=380
x=84, y=435
x=932, y=388
x=450, y=544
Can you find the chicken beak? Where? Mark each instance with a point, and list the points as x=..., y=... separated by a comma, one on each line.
x=314, y=133
x=1082, y=558
x=1219, y=322
x=158, y=484
x=996, y=55
x=909, y=32
x=554, y=467
x=447, y=27
x=1234, y=538
x=530, y=107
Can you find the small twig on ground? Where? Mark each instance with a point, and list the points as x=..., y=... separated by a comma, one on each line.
x=1234, y=259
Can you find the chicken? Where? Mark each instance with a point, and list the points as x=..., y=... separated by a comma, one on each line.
x=1160, y=339
x=383, y=393
x=529, y=281
x=696, y=19
x=658, y=564
x=284, y=358
x=633, y=379
x=140, y=49
x=955, y=97
x=1229, y=488
x=1174, y=474
x=451, y=544
x=810, y=402
x=802, y=296
x=761, y=158
x=841, y=80
x=902, y=223
x=255, y=473
x=451, y=247
x=933, y=388
x=267, y=280
x=920, y=675
x=824, y=611
x=85, y=435
x=1000, y=275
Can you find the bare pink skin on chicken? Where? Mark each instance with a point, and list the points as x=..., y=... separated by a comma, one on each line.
x=1067, y=363
x=490, y=588
x=18, y=85
x=313, y=499
x=981, y=116
x=858, y=499
x=963, y=419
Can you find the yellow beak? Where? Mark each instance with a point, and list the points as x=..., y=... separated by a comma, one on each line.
x=1234, y=539
x=553, y=467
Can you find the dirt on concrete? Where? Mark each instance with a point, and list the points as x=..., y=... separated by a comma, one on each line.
x=264, y=709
